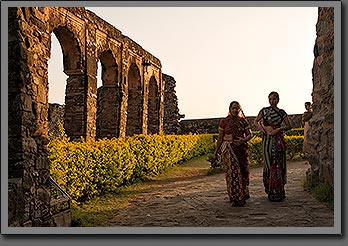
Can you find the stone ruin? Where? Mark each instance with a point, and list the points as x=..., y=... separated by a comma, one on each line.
x=320, y=141
x=171, y=124
x=130, y=101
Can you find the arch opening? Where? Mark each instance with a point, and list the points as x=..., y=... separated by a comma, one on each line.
x=135, y=102
x=75, y=93
x=153, y=107
x=108, y=98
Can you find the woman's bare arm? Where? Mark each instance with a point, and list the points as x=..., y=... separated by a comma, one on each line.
x=219, y=141
x=257, y=123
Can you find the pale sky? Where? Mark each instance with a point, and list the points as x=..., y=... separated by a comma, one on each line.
x=218, y=54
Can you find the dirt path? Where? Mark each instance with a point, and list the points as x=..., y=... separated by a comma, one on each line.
x=197, y=200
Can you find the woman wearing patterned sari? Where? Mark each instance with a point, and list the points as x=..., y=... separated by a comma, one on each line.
x=234, y=133
x=269, y=123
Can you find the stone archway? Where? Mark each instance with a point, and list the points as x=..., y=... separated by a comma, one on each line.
x=135, y=102
x=81, y=35
x=75, y=95
x=108, y=103
x=153, y=107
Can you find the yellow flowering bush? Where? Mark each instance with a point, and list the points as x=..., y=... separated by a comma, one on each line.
x=294, y=132
x=294, y=145
x=88, y=169
x=93, y=168
x=256, y=156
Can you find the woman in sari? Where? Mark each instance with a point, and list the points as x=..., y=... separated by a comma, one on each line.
x=234, y=133
x=269, y=123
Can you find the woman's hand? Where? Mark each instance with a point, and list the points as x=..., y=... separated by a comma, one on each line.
x=238, y=141
x=274, y=131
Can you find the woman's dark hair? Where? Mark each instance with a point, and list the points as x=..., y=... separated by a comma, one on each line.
x=274, y=93
x=241, y=113
x=308, y=103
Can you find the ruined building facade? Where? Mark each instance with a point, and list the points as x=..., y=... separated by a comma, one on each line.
x=321, y=132
x=129, y=102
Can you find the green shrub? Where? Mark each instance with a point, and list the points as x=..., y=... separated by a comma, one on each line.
x=294, y=132
x=256, y=155
x=294, y=148
x=294, y=145
x=256, y=134
x=94, y=168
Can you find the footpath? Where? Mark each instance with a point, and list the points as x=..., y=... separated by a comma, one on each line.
x=199, y=200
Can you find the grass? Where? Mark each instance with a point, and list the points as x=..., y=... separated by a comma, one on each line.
x=96, y=212
x=322, y=192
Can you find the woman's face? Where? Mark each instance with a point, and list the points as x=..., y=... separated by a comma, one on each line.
x=273, y=100
x=307, y=106
x=234, y=109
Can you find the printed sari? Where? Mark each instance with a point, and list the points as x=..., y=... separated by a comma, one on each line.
x=274, y=154
x=235, y=159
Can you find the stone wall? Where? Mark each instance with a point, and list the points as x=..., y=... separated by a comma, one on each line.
x=55, y=117
x=85, y=39
x=171, y=110
x=211, y=125
x=28, y=174
x=320, y=141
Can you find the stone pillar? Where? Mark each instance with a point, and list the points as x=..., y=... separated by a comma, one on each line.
x=91, y=82
x=171, y=111
x=29, y=194
x=108, y=112
x=321, y=132
x=161, y=101
x=145, y=99
x=75, y=105
x=123, y=91
x=55, y=117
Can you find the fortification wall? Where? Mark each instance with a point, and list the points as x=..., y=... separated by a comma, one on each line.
x=210, y=125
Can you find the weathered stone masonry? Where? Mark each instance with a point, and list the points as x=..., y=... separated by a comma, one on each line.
x=171, y=124
x=171, y=112
x=131, y=98
x=321, y=132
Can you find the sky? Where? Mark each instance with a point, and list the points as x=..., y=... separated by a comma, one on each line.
x=218, y=54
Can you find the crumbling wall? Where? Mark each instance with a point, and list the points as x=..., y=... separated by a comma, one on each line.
x=84, y=38
x=171, y=113
x=320, y=141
